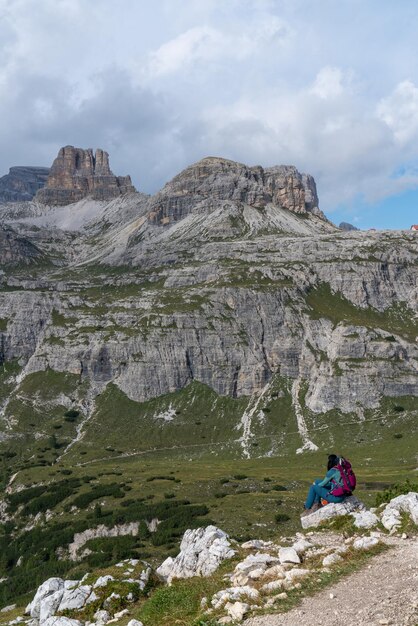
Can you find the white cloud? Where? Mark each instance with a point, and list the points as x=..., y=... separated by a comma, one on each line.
x=399, y=111
x=205, y=43
x=328, y=83
x=260, y=81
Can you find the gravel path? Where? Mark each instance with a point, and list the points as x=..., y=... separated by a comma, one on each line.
x=385, y=592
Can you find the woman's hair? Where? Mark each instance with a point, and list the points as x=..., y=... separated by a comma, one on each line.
x=332, y=461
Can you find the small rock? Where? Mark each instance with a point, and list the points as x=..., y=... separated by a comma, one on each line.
x=365, y=543
x=225, y=620
x=288, y=555
x=101, y=617
x=134, y=622
x=301, y=546
x=257, y=544
x=404, y=536
x=102, y=581
x=237, y=610
x=203, y=603
x=276, y=571
x=255, y=574
x=274, y=585
x=294, y=574
x=121, y=614
x=331, y=596
x=331, y=559
x=8, y=608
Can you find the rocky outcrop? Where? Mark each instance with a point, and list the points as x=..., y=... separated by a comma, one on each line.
x=78, y=173
x=201, y=552
x=346, y=227
x=330, y=511
x=212, y=180
x=16, y=250
x=56, y=596
x=22, y=183
x=392, y=513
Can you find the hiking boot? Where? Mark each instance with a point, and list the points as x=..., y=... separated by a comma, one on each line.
x=306, y=512
x=315, y=507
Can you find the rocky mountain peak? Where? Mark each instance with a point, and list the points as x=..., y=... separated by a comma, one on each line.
x=213, y=180
x=22, y=183
x=77, y=173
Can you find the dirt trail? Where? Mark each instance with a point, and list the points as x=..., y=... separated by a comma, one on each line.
x=384, y=592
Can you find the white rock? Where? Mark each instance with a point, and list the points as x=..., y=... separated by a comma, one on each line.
x=92, y=598
x=274, y=585
x=70, y=584
x=301, y=546
x=226, y=619
x=329, y=511
x=233, y=594
x=121, y=614
x=135, y=622
x=47, y=588
x=296, y=573
x=108, y=601
x=407, y=503
x=237, y=610
x=8, y=608
x=101, y=617
x=273, y=600
x=48, y=606
x=288, y=555
x=365, y=519
x=365, y=543
x=257, y=544
x=74, y=598
x=102, y=581
x=331, y=559
x=255, y=574
x=62, y=621
x=276, y=571
x=202, y=550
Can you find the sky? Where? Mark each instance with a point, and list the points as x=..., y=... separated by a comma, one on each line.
x=330, y=86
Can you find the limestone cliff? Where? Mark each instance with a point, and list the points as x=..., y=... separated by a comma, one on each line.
x=229, y=278
x=213, y=180
x=77, y=173
x=22, y=183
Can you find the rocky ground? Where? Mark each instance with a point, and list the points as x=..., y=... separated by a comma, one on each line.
x=384, y=592
x=265, y=576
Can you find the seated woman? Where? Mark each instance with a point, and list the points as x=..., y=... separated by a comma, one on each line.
x=322, y=488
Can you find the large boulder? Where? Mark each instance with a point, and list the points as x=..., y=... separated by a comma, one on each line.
x=74, y=598
x=202, y=550
x=349, y=505
x=48, y=588
x=407, y=503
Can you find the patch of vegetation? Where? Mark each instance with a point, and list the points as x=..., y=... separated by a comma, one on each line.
x=322, y=302
x=397, y=489
x=3, y=324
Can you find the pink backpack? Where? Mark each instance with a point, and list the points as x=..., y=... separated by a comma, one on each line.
x=348, y=479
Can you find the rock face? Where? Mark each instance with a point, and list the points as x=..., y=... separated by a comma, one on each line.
x=16, y=250
x=213, y=180
x=201, y=552
x=228, y=281
x=22, y=183
x=78, y=173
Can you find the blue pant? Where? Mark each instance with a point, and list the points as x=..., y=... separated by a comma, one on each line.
x=316, y=493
